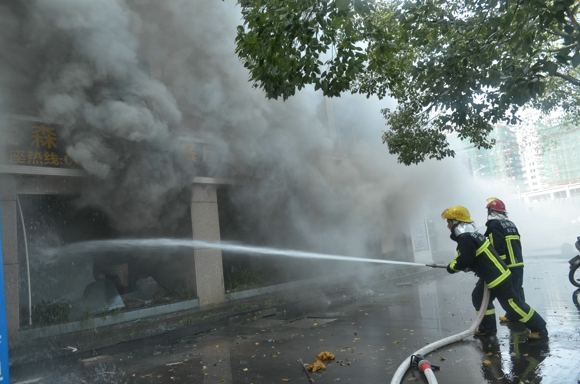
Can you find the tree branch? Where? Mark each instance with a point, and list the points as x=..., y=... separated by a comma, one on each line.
x=572, y=17
x=568, y=78
x=559, y=49
x=557, y=32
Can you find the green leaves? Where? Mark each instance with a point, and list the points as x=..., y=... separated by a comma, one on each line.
x=576, y=60
x=342, y=5
x=285, y=45
x=453, y=66
x=550, y=68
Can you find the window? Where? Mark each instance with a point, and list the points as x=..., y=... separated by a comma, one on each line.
x=560, y=195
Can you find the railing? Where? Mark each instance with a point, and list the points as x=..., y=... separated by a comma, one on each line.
x=553, y=193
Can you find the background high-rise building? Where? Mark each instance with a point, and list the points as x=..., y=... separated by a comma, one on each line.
x=526, y=159
x=560, y=154
x=501, y=164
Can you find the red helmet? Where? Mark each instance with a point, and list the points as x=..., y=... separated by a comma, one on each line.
x=495, y=204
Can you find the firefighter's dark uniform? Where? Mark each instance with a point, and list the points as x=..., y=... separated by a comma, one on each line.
x=505, y=238
x=475, y=252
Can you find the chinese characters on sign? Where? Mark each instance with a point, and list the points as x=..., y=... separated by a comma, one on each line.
x=38, y=144
x=43, y=136
x=192, y=149
x=202, y=154
x=50, y=159
x=34, y=144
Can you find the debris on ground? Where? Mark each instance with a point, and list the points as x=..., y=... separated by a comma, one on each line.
x=325, y=356
x=318, y=365
x=310, y=380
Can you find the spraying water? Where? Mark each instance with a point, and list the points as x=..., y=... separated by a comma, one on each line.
x=131, y=244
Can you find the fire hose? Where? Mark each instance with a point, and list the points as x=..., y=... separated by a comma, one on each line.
x=423, y=364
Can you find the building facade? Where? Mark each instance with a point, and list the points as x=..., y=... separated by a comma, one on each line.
x=560, y=154
x=529, y=159
x=501, y=164
x=37, y=185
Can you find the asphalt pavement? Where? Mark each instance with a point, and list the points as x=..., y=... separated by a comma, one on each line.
x=370, y=326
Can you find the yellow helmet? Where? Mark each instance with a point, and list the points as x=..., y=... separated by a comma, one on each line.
x=457, y=212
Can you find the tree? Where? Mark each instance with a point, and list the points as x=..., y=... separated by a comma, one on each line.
x=452, y=65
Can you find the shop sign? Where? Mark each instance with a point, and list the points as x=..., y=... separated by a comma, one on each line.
x=202, y=155
x=39, y=144
x=34, y=144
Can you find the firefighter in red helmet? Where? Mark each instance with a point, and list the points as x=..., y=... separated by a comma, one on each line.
x=505, y=238
x=475, y=253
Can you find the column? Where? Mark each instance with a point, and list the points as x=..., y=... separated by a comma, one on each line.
x=208, y=266
x=10, y=254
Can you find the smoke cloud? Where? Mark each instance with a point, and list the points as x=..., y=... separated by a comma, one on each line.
x=126, y=79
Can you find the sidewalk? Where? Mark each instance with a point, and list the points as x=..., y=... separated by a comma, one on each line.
x=239, y=307
x=371, y=327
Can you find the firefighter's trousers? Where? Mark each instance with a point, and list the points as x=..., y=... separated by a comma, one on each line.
x=518, y=281
x=510, y=301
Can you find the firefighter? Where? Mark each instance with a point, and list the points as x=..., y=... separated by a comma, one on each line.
x=505, y=238
x=475, y=253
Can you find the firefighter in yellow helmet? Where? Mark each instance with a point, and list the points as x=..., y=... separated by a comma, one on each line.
x=505, y=238
x=475, y=253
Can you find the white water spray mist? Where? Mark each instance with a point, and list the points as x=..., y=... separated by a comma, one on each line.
x=131, y=244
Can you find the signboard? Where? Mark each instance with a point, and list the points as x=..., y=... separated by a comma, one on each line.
x=39, y=144
x=4, y=367
x=421, y=246
x=419, y=237
x=34, y=144
x=203, y=156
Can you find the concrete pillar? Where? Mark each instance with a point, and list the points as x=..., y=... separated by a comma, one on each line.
x=209, y=275
x=10, y=254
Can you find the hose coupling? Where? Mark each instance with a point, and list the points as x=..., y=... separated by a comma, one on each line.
x=423, y=364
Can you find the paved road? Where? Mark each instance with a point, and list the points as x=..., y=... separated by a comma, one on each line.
x=370, y=328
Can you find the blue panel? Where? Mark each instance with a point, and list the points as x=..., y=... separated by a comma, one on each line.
x=4, y=367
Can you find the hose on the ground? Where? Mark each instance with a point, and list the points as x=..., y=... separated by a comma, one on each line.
x=431, y=379
x=400, y=372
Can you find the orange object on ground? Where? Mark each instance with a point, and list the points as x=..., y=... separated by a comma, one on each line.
x=316, y=366
x=325, y=356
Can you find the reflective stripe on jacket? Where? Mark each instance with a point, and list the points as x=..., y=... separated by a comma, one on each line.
x=505, y=238
x=476, y=253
